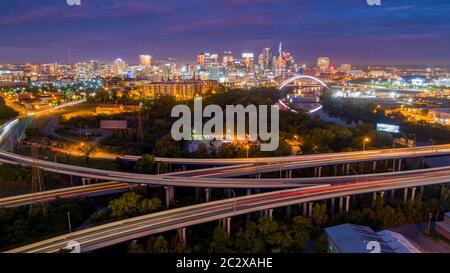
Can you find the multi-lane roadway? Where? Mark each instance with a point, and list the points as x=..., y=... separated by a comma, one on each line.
x=125, y=230
x=65, y=193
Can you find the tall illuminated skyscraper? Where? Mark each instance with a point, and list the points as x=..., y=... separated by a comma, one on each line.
x=214, y=58
x=265, y=58
x=248, y=58
x=323, y=63
x=204, y=59
x=145, y=60
x=227, y=60
x=119, y=67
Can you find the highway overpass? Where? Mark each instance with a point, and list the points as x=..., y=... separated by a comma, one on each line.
x=113, y=187
x=65, y=193
x=125, y=230
x=185, y=180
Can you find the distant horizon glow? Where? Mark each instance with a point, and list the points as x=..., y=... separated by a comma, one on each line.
x=407, y=32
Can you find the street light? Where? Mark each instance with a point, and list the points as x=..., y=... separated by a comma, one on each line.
x=247, y=147
x=68, y=220
x=364, y=143
x=235, y=201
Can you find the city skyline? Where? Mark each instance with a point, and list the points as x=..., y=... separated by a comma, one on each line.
x=405, y=32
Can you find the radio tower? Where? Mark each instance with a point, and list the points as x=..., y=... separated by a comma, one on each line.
x=280, y=50
x=37, y=184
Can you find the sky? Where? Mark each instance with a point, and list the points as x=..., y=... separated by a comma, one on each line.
x=348, y=31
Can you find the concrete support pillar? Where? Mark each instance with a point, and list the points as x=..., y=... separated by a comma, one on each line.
x=320, y=172
x=413, y=193
x=228, y=193
x=341, y=203
x=197, y=194
x=207, y=195
x=288, y=211
x=181, y=235
x=347, y=203
x=86, y=180
x=374, y=166
x=422, y=190
x=332, y=205
x=382, y=194
x=405, y=194
x=258, y=176
x=374, y=196
x=305, y=209
x=393, y=165
x=225, y=224
x=400, y=164
x=310, y=208
x=249, y=192
x=348, y=169
x=290, y=174
x=392, y=196
x=170, y=196
x=266, y=213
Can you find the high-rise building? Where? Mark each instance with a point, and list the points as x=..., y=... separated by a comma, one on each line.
x=345, y=68
x=323, y=63
x=265, y=59
x=248, y=59
x=201, y=59
x=204, y=59
x=285, y=62
x=214, y=59
x=227, y=60
x=119, y=67
x=145, y=60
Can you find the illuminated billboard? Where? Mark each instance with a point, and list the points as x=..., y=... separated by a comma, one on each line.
x=388, y=128
x=113, y=124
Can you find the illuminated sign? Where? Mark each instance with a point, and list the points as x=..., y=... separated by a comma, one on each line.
x=388, y=128
x=113, y=124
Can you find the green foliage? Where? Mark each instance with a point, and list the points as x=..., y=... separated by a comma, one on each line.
x=6, y=112
x=181, y=247
x=25, y=224
x=319, y=216
x=248, y=241
x=131, y=204
x=301, y=232
x=321, y=244
x=146, y=164
x=220, y=242
x=167, y=147
x=88, y=152
x=157, y=245
x=135, y=248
